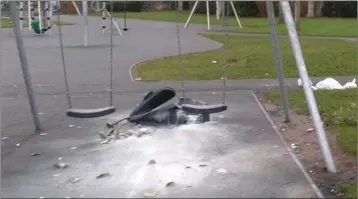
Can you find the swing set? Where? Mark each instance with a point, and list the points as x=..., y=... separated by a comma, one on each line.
x=155, y=98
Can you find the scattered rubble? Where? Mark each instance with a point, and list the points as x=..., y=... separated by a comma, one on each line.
x=60, y=165
x=103, y=175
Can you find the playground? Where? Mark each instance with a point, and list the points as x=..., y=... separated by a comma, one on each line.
x=240, y=152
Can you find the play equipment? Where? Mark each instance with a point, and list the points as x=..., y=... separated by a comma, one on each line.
x=295, y=45
x=106, y=15
x=43, y=23
x=149, y=109
x=219, y=6
x=87, y=113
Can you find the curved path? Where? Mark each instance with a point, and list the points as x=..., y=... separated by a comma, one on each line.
x=145, y=41
x=240, y=156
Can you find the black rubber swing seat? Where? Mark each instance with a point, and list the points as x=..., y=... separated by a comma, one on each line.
x=90, y=113
x=204, y=109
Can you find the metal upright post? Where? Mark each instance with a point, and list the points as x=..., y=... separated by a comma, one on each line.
x=23, y=63
x=85, y=17
x=208, y=14
x=278, y=60
x=310, y=99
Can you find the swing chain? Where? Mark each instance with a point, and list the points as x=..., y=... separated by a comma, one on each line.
x=111, y=58
x=226, y=56
x=63, y=59
x=181, y=72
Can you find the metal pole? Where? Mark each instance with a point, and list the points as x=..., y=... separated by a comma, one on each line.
x=278, y=60
x=76, y=8
x=39, y=10
x=310, y=99
x=21, y=10
x=24, y=65
x=30, y=14
x=235, y=13
x=125, y=16
x=85, y=16
x=103, y=17
x=208, y=15
x=191, y=14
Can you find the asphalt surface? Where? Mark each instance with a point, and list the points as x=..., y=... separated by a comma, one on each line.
x=237, y=155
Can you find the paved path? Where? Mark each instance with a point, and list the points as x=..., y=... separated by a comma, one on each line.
x=348, y=39
x=238, y=155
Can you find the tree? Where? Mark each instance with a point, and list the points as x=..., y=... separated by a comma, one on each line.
x=297, y=8
x=319, y=8
x=180, y=5
x=310, y=9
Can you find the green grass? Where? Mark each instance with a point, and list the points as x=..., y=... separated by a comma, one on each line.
x=350, y=190
x=334, y=27
x=252, y=58
x=6, y=23
x=338, y=110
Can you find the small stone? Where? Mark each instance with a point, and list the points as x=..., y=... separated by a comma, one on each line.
x=103, y=175
x=5, y=138
x=222, y=171
x=59, y=158
x=71, y=125
x=41, y=197
x=152, y=162
x=56, y=175
x=107, y=141
x=18, y=145
x=60, y=165
x=138, y=79
x=295, y=148
x=73, y=148
x=187, y=167
x=36, y=154
x=40, y=113
x=149, y=195
x=202, y=165
x=309, y=129
x=75, y=180
x=275, y=146
x=43, y=134
x=282, y=129
x=170, y=184
x=214, y=62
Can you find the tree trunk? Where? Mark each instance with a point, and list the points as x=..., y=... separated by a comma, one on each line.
x=297, y=14
x=218, y=9
x=180, y=5
x=320, y=5
x=310, y=9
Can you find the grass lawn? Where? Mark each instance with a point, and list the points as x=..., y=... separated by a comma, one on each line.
x=339, y=112
x=252, y=58
x=6, y=23
x=310, y=27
